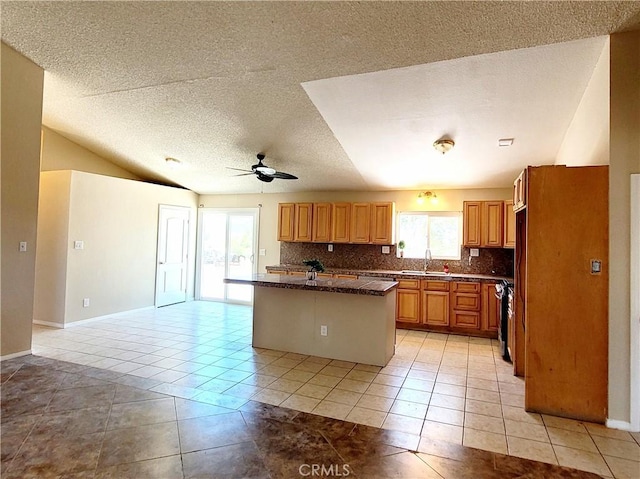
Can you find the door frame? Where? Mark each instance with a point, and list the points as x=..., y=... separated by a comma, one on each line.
x=256, y=241
x=635, y=304
x=186, y=209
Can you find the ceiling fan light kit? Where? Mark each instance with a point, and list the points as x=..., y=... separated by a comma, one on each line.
x=263, y=172
x=443, y=145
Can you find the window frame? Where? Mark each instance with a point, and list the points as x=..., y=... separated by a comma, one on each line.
x=429, y=215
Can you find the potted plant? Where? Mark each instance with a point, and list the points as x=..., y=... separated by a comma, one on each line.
x=401, y=245
x=315, y=267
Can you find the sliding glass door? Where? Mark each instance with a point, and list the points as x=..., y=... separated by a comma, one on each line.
x=227, y=243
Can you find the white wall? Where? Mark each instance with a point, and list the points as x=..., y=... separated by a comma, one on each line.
x=21, y=93
x=586, y=141
x=449, y=200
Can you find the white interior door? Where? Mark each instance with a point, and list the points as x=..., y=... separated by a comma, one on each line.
x=227, y=243
x=173, y=246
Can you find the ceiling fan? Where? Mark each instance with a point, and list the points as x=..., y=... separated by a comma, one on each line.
x=263, y=172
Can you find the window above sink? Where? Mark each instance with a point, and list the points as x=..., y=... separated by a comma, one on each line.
x=439, y=231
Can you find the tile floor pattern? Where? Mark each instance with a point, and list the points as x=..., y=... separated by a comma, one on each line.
x=437, y=387
x=63, y=420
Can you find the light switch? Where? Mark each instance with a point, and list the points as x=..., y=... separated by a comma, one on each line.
x=262, y=252
x=78, y=245
x=386, y=250
x=23, y=246
x=596, y=266
x=474, y=252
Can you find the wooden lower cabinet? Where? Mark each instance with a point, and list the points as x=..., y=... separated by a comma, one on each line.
x=435, y=308
x=465, y=305
x=465, y=319
x=490, y=313
x=408, y=305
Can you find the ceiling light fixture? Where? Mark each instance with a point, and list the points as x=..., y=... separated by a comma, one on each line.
x=172, y=162
x=443, y=145
x=427, y=194
x=505, y=142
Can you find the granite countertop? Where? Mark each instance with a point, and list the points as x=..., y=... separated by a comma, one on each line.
x=332, y=285
x=400, y=274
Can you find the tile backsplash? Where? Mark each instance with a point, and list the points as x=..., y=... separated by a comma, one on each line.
x=496, y=261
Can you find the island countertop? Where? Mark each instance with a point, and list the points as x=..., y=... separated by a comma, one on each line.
x=332, y=285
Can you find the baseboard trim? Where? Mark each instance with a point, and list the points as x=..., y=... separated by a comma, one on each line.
x=49, y=324
x=112, y=315
x=623, y=425
x=15, y=355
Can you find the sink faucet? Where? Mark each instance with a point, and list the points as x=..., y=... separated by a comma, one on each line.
x=427, y=259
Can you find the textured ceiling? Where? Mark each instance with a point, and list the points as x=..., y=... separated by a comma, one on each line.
x=214, y=83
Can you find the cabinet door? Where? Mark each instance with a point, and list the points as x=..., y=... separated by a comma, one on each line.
x=340, y=222
x=492, y=224
x=435, y=308
x=360, y=222
x=408, y=305
x=321, y=231
x=490, y=308
x=286, y=215
x=382, y=223
x=509, y=225
x=520, y=191
x=471, y=223
x=302, y=223
x=465, y=301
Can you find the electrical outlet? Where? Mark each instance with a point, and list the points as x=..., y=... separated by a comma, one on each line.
x=330, y=248
x=474, y=252
x=78, y=245
x=386, y=250
x=262, y=252
x=85, y=303
x=323, y=330
x=23, y=246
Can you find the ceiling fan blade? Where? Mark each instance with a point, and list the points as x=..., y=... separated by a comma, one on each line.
x=244, y=174
x=284, y=176
x=239, y=169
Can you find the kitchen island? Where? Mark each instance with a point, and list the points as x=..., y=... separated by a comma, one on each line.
x=293, y=314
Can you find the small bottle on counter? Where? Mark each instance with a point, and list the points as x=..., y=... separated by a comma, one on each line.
x=446, y=268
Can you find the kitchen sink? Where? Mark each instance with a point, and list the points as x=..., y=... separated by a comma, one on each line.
x=428, y=273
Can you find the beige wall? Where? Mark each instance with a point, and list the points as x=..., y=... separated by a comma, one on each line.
x=118, y=220
x=624, y=160
x=52, y=250
x=60, y=153
x=448, y=200
x=21, y=92
x=586, y=141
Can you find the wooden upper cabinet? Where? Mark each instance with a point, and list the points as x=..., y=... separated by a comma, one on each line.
x=340, y=222
x=382, y=223
x=286, y=215
x=303, y=222
x=520, y=191
x=509, y=225
x=321, y=230
x=492, y=224
x=471, y=223
x=360, y=223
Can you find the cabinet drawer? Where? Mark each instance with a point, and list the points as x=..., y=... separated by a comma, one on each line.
x=466, y=301
x=465, y=287
x=345, y=276
x=297, y=273
x=324, y=275
x=408, y=284
x=430, y=285
x=276, y=271
x=465, y=319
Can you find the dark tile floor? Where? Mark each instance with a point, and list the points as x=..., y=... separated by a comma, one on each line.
x=63, y=420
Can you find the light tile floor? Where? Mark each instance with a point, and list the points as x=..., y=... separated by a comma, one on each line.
x=443, y=387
